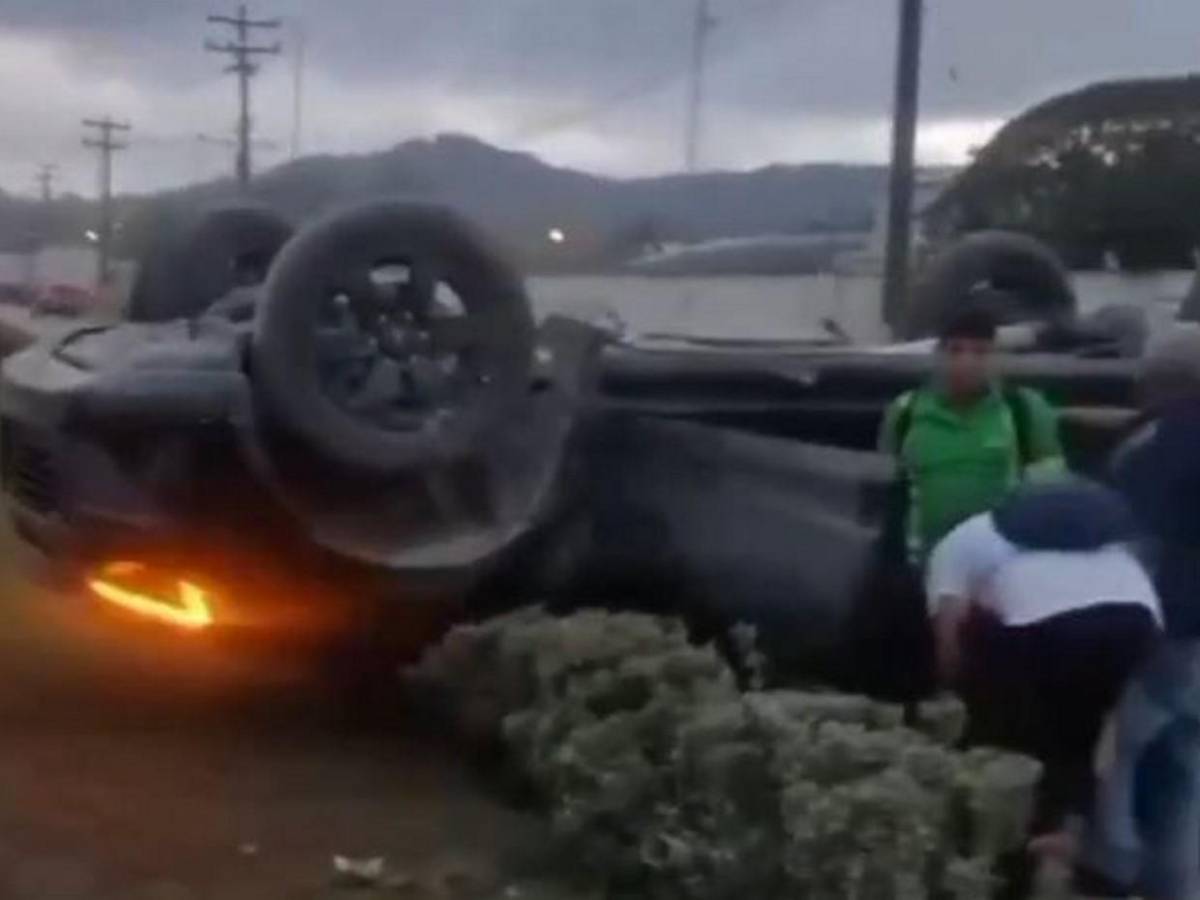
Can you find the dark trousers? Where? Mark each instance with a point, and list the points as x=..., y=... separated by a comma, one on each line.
x=1045, y=690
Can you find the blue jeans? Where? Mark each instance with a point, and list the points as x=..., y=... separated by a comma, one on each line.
x=1144, y=832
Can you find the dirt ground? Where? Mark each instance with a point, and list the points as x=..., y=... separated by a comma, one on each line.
x=142, y=768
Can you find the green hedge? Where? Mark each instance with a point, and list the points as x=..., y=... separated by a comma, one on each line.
x=662, y=779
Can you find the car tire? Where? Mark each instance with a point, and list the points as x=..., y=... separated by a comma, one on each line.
x=285, y=363
x=1189, y=308
x=212, y=253
x=1012, y=263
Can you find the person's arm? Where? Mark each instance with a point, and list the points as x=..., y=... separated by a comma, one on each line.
x=1045, y=439
x=889, y=429
x=948, y=624
x=957, y=566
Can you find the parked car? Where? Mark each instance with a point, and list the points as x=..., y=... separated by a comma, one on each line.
x=64, y=300
x=16, y=292
x=378, y=440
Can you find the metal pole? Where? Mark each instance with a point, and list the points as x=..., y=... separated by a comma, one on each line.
x=900, y=189
x=298, y=89
x=33, y=244
x=106, y=145
x=243, y=66
x=106, y=217
x=39, y=236
x=243, y=151
x=703, y=25
x=45, y=180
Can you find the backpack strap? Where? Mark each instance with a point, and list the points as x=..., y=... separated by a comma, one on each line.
x=1018, y=409
x=904, y=420
x=901, y=538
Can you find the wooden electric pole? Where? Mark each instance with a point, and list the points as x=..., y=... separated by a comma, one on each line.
x=243, y=65
x=106, y=145
x=299, y=41
x=45, y=179
x=900, y=190
x=704, y=24
x=37, y=236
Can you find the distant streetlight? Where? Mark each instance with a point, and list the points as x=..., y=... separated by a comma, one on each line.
x=556, y=235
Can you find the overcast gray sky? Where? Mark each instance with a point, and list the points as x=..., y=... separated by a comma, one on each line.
x=594, y=84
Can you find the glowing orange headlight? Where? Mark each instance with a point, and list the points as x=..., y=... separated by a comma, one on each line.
x=174, y=601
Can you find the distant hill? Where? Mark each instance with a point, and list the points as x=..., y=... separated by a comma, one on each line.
x=519, y=198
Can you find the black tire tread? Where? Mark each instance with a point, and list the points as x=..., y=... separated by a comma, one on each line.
x=286, y=379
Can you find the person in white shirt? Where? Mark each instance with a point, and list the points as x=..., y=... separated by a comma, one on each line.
x=1041, y=612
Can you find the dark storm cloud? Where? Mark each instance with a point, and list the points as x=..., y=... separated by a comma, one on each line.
x=600, y=82
x=828, y=55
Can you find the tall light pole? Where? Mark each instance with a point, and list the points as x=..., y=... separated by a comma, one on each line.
x=900, y=188
x=704, y=24
x=298, y=50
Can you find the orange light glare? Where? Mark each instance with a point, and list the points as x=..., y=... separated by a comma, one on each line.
x=182, y=603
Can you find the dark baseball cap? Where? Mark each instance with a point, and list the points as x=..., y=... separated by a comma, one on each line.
x=1065, y=515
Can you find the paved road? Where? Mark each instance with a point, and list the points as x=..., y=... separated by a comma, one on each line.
x=133, y=765
x=138, y=766
x=18, y=327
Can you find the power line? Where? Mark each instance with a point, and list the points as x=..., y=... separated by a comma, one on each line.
x=106, y=144
x=243, y=54
x=261, y=143
x=639, y=89
x=635, y=91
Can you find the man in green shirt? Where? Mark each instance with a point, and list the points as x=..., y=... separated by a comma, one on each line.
x=965, y=440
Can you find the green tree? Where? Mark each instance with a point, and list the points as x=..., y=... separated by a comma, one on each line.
x=1112, y=168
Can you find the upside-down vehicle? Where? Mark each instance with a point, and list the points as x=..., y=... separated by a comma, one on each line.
x=358, y=432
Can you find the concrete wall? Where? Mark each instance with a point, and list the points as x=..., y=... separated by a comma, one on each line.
x=792, y=307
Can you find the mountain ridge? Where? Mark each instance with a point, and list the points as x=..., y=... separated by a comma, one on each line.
x=515, y=196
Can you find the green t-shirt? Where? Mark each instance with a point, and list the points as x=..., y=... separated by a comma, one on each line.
x=962, y=461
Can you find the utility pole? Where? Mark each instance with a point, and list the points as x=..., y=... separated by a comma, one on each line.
x=900, y=189
x=243, y=65
x=704, y=24
x=298, y=50
x=107, y=145
x=39, y=235
x=45, y=180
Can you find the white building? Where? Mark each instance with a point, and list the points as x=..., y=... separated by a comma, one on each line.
x=930, y=184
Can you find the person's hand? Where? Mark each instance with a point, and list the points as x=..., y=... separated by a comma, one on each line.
x=947, y=632
x=949, y=659
x=1061, y=846
x=1106, y=748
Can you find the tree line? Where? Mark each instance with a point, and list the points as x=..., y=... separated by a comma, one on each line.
x=1107, y=174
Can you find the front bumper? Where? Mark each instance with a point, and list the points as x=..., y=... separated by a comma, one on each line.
x=83, y=509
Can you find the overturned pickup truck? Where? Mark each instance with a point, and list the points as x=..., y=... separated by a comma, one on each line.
x=359, y=430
